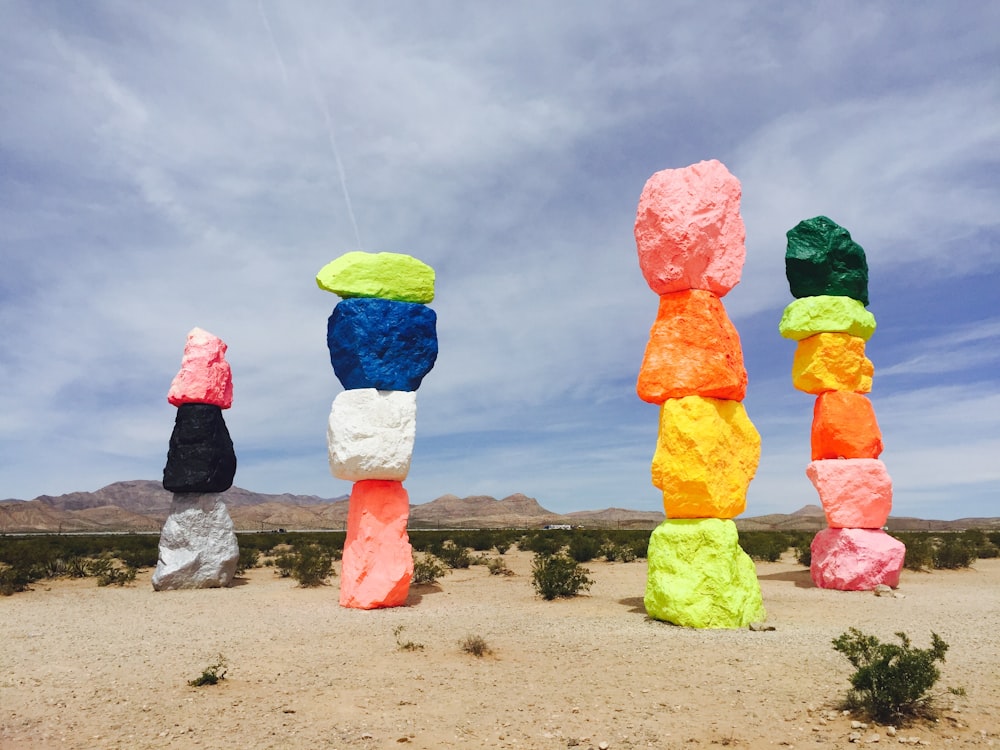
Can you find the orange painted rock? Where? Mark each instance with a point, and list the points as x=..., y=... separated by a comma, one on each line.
x=856, y=493
x=832, y=362
x=693, y=350
x=378, y=559
x=844, y=426
x=855, y=559
x=688, y=229
x=706, y=454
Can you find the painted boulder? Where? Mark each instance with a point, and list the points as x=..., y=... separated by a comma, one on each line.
x=198, y=547
x=822, y=259
x=832, y=362
x=844, y=426
x=392, y=276
x=826, y=314
x=205, y=377
x=370, y=434
x=201, y=457
x=855, y=559
x=855, y=492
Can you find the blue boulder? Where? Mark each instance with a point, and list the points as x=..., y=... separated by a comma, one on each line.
x=381, y=343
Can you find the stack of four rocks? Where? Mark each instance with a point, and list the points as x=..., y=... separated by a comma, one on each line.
x=827, y=272
x=382, y=339
x=198, y=546
x=690, y=240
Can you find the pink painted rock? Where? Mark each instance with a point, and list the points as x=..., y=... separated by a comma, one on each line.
x=844, y=426
x=688, y=229
x=856, y=493
x=205, y=376
x=378, y=559
x=855, y=559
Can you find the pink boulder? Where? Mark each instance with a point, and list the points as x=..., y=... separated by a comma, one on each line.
x=688, y=229
x=856, y=559
x=205, y=376
x=378, y=560
x=856, y=493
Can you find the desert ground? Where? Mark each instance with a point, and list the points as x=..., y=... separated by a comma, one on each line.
x=89, y=667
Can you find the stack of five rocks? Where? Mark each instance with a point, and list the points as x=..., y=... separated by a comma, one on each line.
x=382, y=339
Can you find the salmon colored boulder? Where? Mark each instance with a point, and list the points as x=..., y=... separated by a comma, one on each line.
x=378, y=559
x=706, y=454
x=856, y=493
x=855, y=559
x=205, y=376
x=832, y=362
x=688, y=229
x=693, y=350
x=844, y=426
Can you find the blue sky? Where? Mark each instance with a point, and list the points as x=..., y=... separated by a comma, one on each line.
x=166, y=166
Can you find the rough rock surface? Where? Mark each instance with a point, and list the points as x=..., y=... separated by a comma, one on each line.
x=205, y=377
x=699, y=576
x=693, y=350
x=198, y=547
x=855, y=559
x=832, y=362
x=707, y=452
x=844, y=426
x=392, y=276
x=855, y=492
x=382, y=344
x=378, y=560
x=826, y=313
x=688, y=229
x=821, y=258
x=370, y=434
x=201, y=456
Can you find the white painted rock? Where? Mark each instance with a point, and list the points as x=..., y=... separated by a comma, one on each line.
x=370, y=434
x=198, y=547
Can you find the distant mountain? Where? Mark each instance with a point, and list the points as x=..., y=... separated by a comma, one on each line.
x=142, y=506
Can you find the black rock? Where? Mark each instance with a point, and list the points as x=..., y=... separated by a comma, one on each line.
x=201, y=456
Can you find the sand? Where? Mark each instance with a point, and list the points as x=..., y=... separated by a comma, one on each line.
x=90, y=667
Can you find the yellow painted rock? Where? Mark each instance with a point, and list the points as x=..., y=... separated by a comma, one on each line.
x=706, y=454
x=832, y=362
x=699, y=577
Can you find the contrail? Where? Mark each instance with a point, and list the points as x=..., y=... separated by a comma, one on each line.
x=274, y=43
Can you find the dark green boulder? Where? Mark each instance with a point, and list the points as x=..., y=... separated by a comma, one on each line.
x=823, y=259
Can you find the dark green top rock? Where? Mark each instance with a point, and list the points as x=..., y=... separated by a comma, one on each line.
x=823, y=259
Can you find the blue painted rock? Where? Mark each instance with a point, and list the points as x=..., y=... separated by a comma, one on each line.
x=822, y=259
x=381, y=343
x=201, y=456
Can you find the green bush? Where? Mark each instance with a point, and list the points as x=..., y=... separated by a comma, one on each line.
x=426, y=569
x=767, y=546
x=558, y=575
x=804, y=555
x=498, y=567
x=502, y=545
x=211, y=674
x=453, y=555
x=919, y=551
x=311, y=565
x=475, y=645
x=954, y=552
x=892, y=681
x=542, y=542
x=584, y=547
x=613, y=552
x=249, y=558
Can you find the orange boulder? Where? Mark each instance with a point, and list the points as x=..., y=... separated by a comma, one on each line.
x=693, y=350
x=844, y=426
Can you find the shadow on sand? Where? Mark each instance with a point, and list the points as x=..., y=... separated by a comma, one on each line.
x=801, y=578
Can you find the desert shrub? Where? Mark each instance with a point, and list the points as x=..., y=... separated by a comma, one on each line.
x=502, y=545
x=767, y=546
x=498, y=567
x=954, y=552
x=426, y=569
x=978, y=540
x=405, y=645
x=211, y=674
x=475, y=645
x=309, y=564
x=249, y=558
x=892, y=682
x=453, y=555
x=108, y=572
x=15, y=578
x=803, y=554
x=614, y=552
x=541, y=542
x=479, y=540
x=919, y=551
x=584, y=547
x=639, y=546
x=558, y=575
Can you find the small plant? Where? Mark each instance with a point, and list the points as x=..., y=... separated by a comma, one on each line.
x=211, y=674
x=498, y=567
x=501, y=546
x=108, y=573
x=620, y=552
x=558, y=575
x=249, y=558
x=804, y=555
x=892, y=682
x=583, y=547
x=405, y=645
x=475, y=645
x=309, y=564
x=426, y=569
x=453, y=555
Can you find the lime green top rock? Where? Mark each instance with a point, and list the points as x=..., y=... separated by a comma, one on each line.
x=393, y=276
x=826, y=313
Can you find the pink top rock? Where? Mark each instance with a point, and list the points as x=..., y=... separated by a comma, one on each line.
x=688, y=229
x=855, y=492
x=205, y=376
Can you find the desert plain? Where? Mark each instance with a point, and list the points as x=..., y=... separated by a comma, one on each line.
x=86, y=667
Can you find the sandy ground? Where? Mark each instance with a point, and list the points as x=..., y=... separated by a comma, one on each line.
x=89, y=667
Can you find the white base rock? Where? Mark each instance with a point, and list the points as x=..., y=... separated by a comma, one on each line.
x=198, y=547
x=370, y=434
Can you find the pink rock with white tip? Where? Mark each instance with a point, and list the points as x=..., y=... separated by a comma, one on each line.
x=205, y=376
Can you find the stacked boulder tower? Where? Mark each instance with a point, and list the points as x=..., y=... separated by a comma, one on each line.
x=690, y=240
x=382, y=339
x=198, y=546
x=827, y=273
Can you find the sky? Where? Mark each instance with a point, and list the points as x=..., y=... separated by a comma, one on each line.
x=171, y=165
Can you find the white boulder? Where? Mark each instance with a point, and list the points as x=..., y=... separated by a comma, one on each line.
x=370, y=434
x=198, y=547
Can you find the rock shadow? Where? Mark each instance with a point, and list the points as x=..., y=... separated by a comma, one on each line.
x=801, y=578
x=635, y=604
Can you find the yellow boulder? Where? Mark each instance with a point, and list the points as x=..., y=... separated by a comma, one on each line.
x=832, y=362
x=706, y=454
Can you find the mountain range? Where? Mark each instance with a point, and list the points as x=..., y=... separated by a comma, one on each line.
x=142, y=506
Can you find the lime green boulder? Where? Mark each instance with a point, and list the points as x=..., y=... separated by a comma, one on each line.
x=392, y=276
x=700, y=577
x=826, y=313
x=821, y=258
